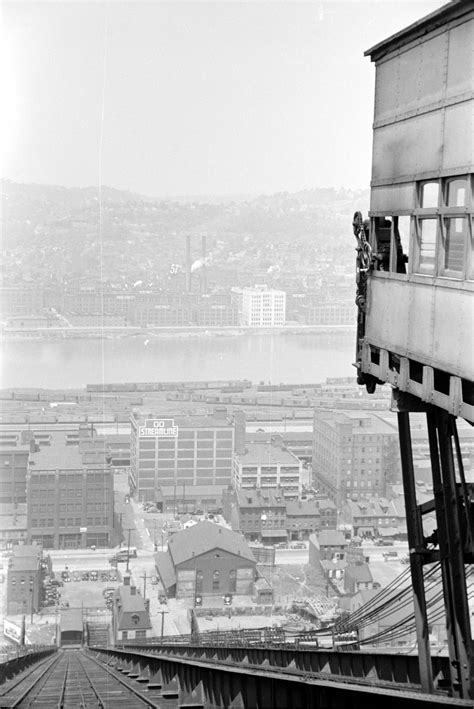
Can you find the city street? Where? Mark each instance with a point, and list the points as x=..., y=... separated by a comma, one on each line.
x=286, y=557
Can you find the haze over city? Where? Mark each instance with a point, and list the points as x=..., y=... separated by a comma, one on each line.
x=176, y=98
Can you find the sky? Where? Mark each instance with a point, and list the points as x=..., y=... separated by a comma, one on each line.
x=193, y=98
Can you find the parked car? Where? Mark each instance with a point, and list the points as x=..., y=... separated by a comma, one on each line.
x=298, y=545
x=384, y=542
x=281, y=545
x=94, y=575
x=85, y=576
x=390, y=555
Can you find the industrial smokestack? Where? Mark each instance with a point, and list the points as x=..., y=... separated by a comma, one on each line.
x=203, y=269
x=188, y=263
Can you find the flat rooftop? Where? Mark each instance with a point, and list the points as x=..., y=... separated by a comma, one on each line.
x=59, y=456
x=186, y=422
x=362, y=422
x=266, y=454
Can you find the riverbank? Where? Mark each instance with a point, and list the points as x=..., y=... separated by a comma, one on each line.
x=63, y=333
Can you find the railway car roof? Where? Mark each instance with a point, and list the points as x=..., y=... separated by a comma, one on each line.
x=70, y=619
x=439, y=17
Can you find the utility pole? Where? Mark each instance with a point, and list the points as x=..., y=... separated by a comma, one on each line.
x=163, y=613
x=128, y=549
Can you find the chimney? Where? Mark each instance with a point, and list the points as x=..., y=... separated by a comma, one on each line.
x=26, y=437
x=133, y=590
x=277, y=440
x=203, y=267
x=187, y=267
x=126, y=580
x=33, y=446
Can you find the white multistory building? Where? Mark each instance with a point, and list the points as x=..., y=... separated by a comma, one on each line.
x=268, y=466
x=261, y=306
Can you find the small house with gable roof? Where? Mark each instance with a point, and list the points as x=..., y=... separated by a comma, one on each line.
x=131, y=616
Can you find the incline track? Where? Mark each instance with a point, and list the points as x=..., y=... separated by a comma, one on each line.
x=75, y=680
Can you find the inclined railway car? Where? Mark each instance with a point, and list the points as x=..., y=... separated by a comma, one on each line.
x=415, y=263
x=71, y=628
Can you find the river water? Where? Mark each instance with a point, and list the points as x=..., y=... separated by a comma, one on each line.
x=289, y=358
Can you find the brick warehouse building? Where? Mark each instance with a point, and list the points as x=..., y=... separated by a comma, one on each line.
x=24, y=580
x=70, y=495
x=259, y=514
x=183, y=451
x=355, y=455
x=206, y=560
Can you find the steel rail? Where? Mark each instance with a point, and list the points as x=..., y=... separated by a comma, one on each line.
x=148, y=702
x=83, y=701
x=63, y=688
x=91, y=683
x=15, y=682
x=44, y=675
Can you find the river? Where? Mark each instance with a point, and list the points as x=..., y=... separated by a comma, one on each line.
x=71, y=364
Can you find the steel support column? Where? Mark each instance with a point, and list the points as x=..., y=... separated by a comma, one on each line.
x=453, y=548
x=444, y=549
x=415, y=544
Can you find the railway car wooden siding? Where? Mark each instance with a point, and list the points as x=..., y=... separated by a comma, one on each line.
x=419, y=303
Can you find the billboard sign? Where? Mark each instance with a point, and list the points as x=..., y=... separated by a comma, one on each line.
x=158, y=428
x=12, y=631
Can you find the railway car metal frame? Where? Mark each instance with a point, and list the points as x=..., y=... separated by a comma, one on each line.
x=415, y=293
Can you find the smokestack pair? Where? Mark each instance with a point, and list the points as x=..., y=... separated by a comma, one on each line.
x=189, y=263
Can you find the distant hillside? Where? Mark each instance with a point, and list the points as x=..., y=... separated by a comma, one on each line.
x=62, y=237
x=52, y=215
x=80, y=196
